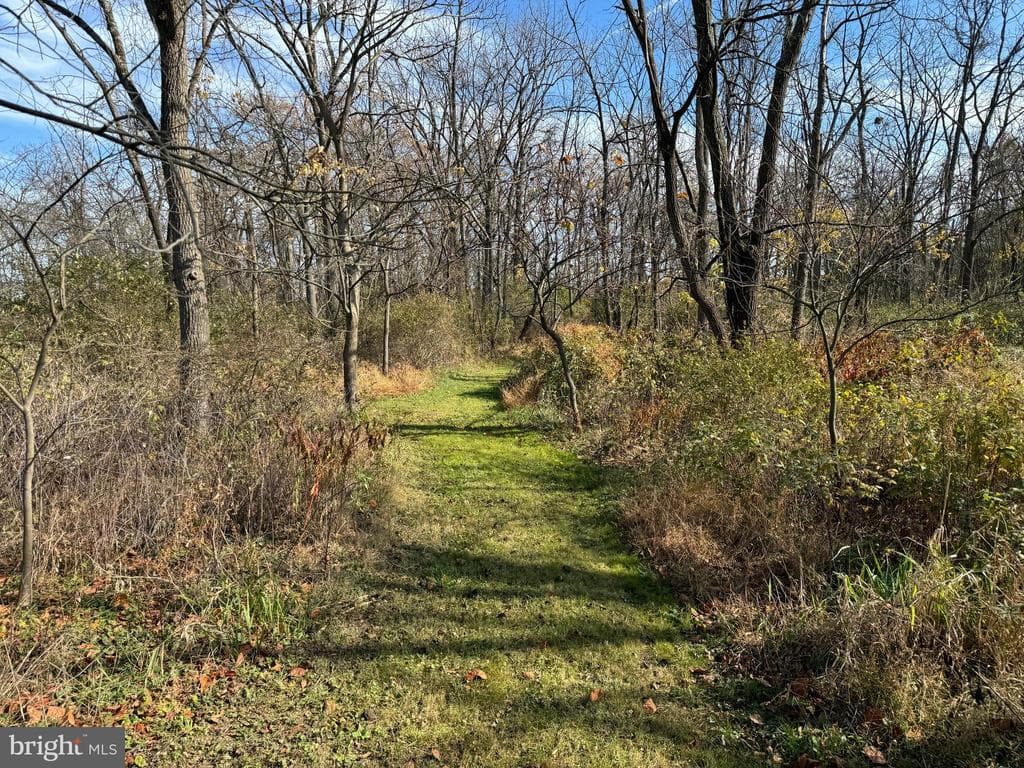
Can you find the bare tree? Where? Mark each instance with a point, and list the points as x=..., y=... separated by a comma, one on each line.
x=30, y=236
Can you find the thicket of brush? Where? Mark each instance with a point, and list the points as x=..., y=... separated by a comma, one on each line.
x=281, y=463
x=885, y=577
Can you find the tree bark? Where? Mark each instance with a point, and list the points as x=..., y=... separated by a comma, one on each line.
x=169, y=18
x=28, y=520
x=667, y=152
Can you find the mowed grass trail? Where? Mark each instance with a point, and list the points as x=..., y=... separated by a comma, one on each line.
x=507, y=560
x=503, y=623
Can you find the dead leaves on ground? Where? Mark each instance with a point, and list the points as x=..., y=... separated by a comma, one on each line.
x=209, y=674
x=40, y=709
x=702, y=675
x=874, y=755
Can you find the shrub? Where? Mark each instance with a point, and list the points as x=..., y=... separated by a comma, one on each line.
x=428, y=331
x=890, y=572
x=594, y=357
x=118, y=476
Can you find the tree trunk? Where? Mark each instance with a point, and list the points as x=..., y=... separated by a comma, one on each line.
x=742, y=252
x=968, y=278
x=351, y=349
x=811, y=182
x=254, y=276
x=570, y=381
x=169, y=18
x=385, y=357
x=743, y=272
x=27, y=509
x=667, y=152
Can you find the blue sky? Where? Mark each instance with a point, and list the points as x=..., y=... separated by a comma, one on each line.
x=19, y=131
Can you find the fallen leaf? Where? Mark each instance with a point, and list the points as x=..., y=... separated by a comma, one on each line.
x=874, y=755
x=529, y=674
x=436, y=754
x=475, y=674
x=756, y=719
x=596, y=694
x=704, y=675
x=873, y=716
x=297, y=672
x=120, y=600
x=806, y=761
x=800, y=687
x=650, y=707
x=205, y=682
x=914, y=735
x=242, y=654
x=95, y=587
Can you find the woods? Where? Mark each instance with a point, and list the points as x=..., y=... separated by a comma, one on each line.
x=763, y=259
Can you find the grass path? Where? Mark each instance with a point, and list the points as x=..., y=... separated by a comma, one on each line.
x=502, y=556
x=508, y=561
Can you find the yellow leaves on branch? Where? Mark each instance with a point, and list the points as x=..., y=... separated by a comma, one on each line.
x=319, y=163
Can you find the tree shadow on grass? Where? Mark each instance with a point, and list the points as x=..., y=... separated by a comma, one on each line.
x=503, y=604
x=485, y=430
x=616, y=720
x=490, y=393
x=968, y=747
x=421, y=566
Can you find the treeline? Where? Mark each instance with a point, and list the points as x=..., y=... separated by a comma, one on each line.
x=802, y=168
x=831, y=157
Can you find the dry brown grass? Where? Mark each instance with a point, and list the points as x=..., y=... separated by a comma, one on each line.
x=403, y=379
x=117, y=475
x=715, y=544
x=522, y=390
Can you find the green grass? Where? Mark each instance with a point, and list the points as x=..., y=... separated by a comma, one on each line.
x=508, y=560
x=502, y=556
x=497, y=552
